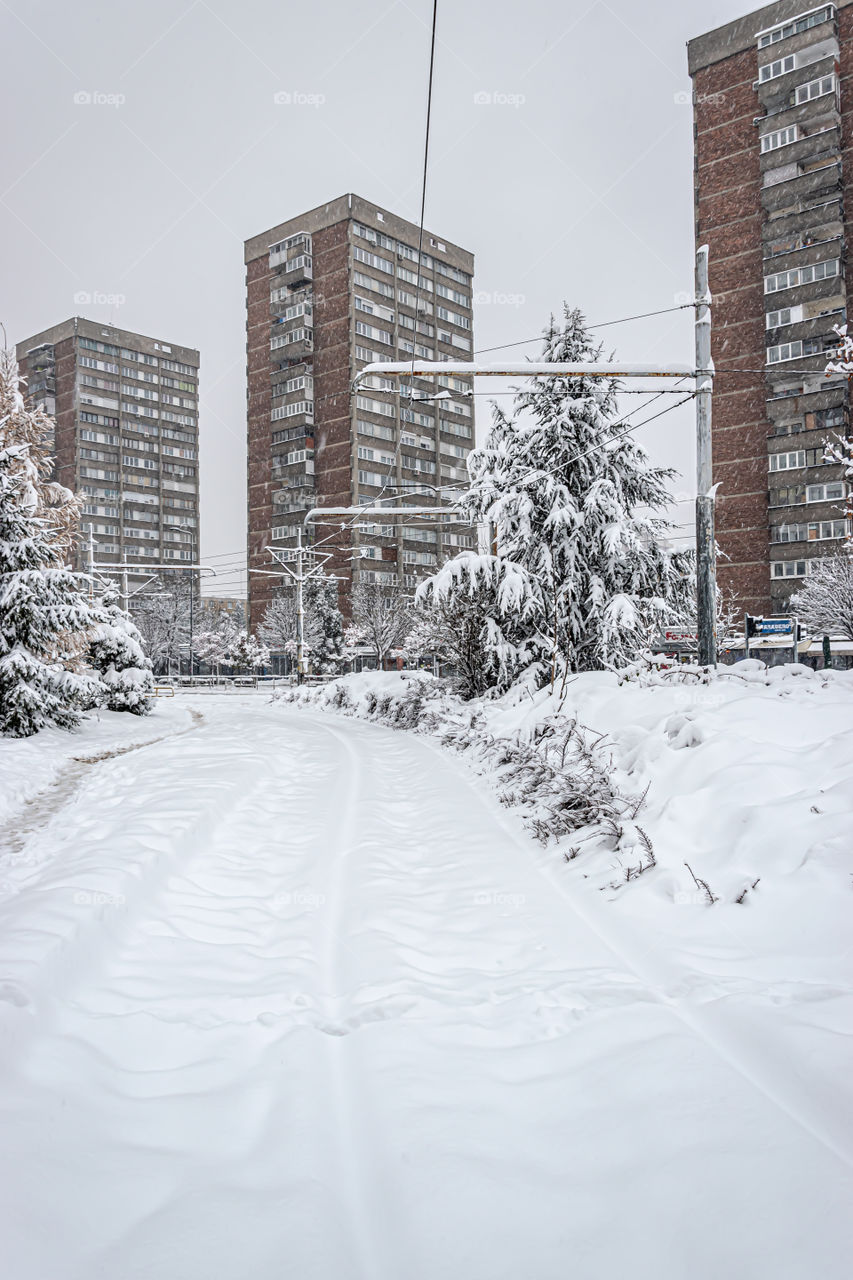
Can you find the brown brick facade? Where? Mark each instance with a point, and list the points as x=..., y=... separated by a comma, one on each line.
x=771, y=198
x=729, y=220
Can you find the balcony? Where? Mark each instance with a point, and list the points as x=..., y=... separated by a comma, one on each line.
x=294, y=345
x=297, y=272
x=299, y=244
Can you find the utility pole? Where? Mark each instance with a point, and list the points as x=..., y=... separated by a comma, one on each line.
x=90, y=559
x=192, y=594
x=706, y=549
x=300, y=613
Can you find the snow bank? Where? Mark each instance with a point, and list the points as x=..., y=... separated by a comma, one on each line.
x=745, y=774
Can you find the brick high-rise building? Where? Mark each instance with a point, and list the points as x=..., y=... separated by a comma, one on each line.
x=773, y=98
x=328, y=292
x=126, y=411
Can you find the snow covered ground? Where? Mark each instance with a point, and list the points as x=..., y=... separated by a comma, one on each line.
x=290, y=994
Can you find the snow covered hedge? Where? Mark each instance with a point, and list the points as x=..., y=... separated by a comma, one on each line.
x=557, y=773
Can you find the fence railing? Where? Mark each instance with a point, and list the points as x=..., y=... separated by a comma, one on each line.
x=234, y=684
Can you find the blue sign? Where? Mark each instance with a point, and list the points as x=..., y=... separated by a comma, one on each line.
x=772, y=626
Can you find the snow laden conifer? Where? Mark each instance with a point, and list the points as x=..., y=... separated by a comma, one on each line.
x=324, y=624
x=576, y=505
x=116, y=653
x=45, y=618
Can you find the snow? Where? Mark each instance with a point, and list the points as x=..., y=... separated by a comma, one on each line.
x=290, y=994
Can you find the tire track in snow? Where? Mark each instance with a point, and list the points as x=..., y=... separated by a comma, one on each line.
x=351, y=1124
x=718, y=1040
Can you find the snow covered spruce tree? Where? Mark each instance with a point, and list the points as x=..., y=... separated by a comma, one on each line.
x=324, y=625
x=45, y=618
x=575, y=504
x=116, y=653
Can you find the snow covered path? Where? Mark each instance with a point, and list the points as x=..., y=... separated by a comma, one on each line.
x=289, y=995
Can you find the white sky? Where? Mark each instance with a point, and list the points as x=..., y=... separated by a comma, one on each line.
x=574, y=182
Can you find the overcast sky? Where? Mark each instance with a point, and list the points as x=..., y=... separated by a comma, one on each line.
x=561, y=156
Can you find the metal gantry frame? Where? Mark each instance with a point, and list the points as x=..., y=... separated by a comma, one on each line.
x=300, y=576
x=701, y=373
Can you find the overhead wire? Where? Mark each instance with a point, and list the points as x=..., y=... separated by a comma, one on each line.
x=393, y=465
x=601, y=324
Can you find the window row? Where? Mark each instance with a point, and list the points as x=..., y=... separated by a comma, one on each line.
x=814, y=531
x=801, y=275
x=406, y=251
x=794, y=26
x=799, y=348
x=797, y=494
x=798, y=458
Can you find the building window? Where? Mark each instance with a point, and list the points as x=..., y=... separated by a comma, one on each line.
x=825, y=492
x=784, y=351
x=788, y=315
x=800, y=275
x=370, y=331
x=789, y=568
x=778, y=68
x=375, y=286
x=375, y=406
x=812, y=18
x=779, y=138
x=815, y=89
x=373, y=260
x=798, y=458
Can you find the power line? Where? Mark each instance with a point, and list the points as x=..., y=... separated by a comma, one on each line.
x=634, y=427
x=393, y=466
x=602, y=324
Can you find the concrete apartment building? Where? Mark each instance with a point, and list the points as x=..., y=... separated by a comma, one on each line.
x=126, y=410
x=773, y=98
x=328, y=292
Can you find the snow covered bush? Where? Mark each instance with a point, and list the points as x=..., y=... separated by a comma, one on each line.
x=381, y=618
x=480, y=608
x=163, y=619
x=246, y=653
x=279, y=625
x=116, y=653
x=824, y=604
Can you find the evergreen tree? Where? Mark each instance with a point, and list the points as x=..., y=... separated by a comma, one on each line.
x=116, y=653
x=324, y=625
x=575, y=503
x=45, y=618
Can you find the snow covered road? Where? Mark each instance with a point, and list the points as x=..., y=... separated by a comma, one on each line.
x=291, y=996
